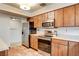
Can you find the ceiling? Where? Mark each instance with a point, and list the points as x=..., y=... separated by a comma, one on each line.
x=36, y=9
x=33, y=8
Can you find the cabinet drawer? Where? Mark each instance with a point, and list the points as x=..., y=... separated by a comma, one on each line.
x=58, y=41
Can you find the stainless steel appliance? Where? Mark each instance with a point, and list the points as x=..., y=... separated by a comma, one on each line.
x=48, y=24
x=25, y=34
x=44, y=46
x=44, y=43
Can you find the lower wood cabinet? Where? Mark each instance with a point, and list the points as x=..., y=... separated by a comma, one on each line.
x=73, y=48
x=61, y=47
x=34, y=42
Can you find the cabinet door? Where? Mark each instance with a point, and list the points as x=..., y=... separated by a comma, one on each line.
x=63, y=50
x=44, y=16
x=59, y=18
x=37, y=22
x=31, y=19
x=54, y=50
x=69, y=16
x=77, y=14
x=34, y=42
x=51, y=15
x=31, y=41
x=35, y=46
x=73, y=48
x=59, y=47
x=59, y=50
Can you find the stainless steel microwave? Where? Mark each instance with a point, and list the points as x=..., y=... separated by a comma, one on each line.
x=48, y=24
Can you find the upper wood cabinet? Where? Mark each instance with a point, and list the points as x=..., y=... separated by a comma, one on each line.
x=59, y=18
x=64, y=17
x=37, y=22
x=77, y=14
x=44, y=16
x=69, y=16
x=51, y=15
x=59, y=47
x=30, y=19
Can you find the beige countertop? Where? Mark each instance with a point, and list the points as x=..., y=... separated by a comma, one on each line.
x=37, y=34
x=61, y=38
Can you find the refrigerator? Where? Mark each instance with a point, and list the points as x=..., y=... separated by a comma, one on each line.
x=25, y=34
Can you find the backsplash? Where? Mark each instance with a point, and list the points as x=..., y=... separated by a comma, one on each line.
x=59, y=30
x=42, y=30
x=68, y=29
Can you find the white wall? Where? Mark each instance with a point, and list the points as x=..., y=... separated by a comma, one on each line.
x=10, y=31
x=15, y=30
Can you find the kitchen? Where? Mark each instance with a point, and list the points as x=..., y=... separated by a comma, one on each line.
x=62, y=34
x=51, y=32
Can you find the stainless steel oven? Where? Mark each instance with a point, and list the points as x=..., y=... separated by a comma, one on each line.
x=44, y=46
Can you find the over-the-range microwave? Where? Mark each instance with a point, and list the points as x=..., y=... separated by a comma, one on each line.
x=48, y=24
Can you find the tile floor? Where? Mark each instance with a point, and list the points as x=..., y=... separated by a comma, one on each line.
x=23, y=51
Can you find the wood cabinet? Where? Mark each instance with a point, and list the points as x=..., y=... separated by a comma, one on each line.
x=77, y=14
x=51, y=15
x=30, y=19
x=34, y=41
x=44, y=17
x=64, y=17
x=59, y=47
x=59, y=18
x=73, y=48
x=69, y=16
x=37, y=22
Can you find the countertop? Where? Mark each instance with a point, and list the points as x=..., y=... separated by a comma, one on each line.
x=61, y=38
x=3, y=46
x=37, y=34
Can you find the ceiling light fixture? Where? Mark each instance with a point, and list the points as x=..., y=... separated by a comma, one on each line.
x=27, y=6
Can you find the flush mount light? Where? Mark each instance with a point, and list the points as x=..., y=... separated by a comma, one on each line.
x=25, y=7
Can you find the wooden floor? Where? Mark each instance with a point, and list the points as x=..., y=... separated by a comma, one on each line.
x=23, y=51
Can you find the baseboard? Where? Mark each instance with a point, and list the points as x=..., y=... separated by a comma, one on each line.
x=15, y=44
